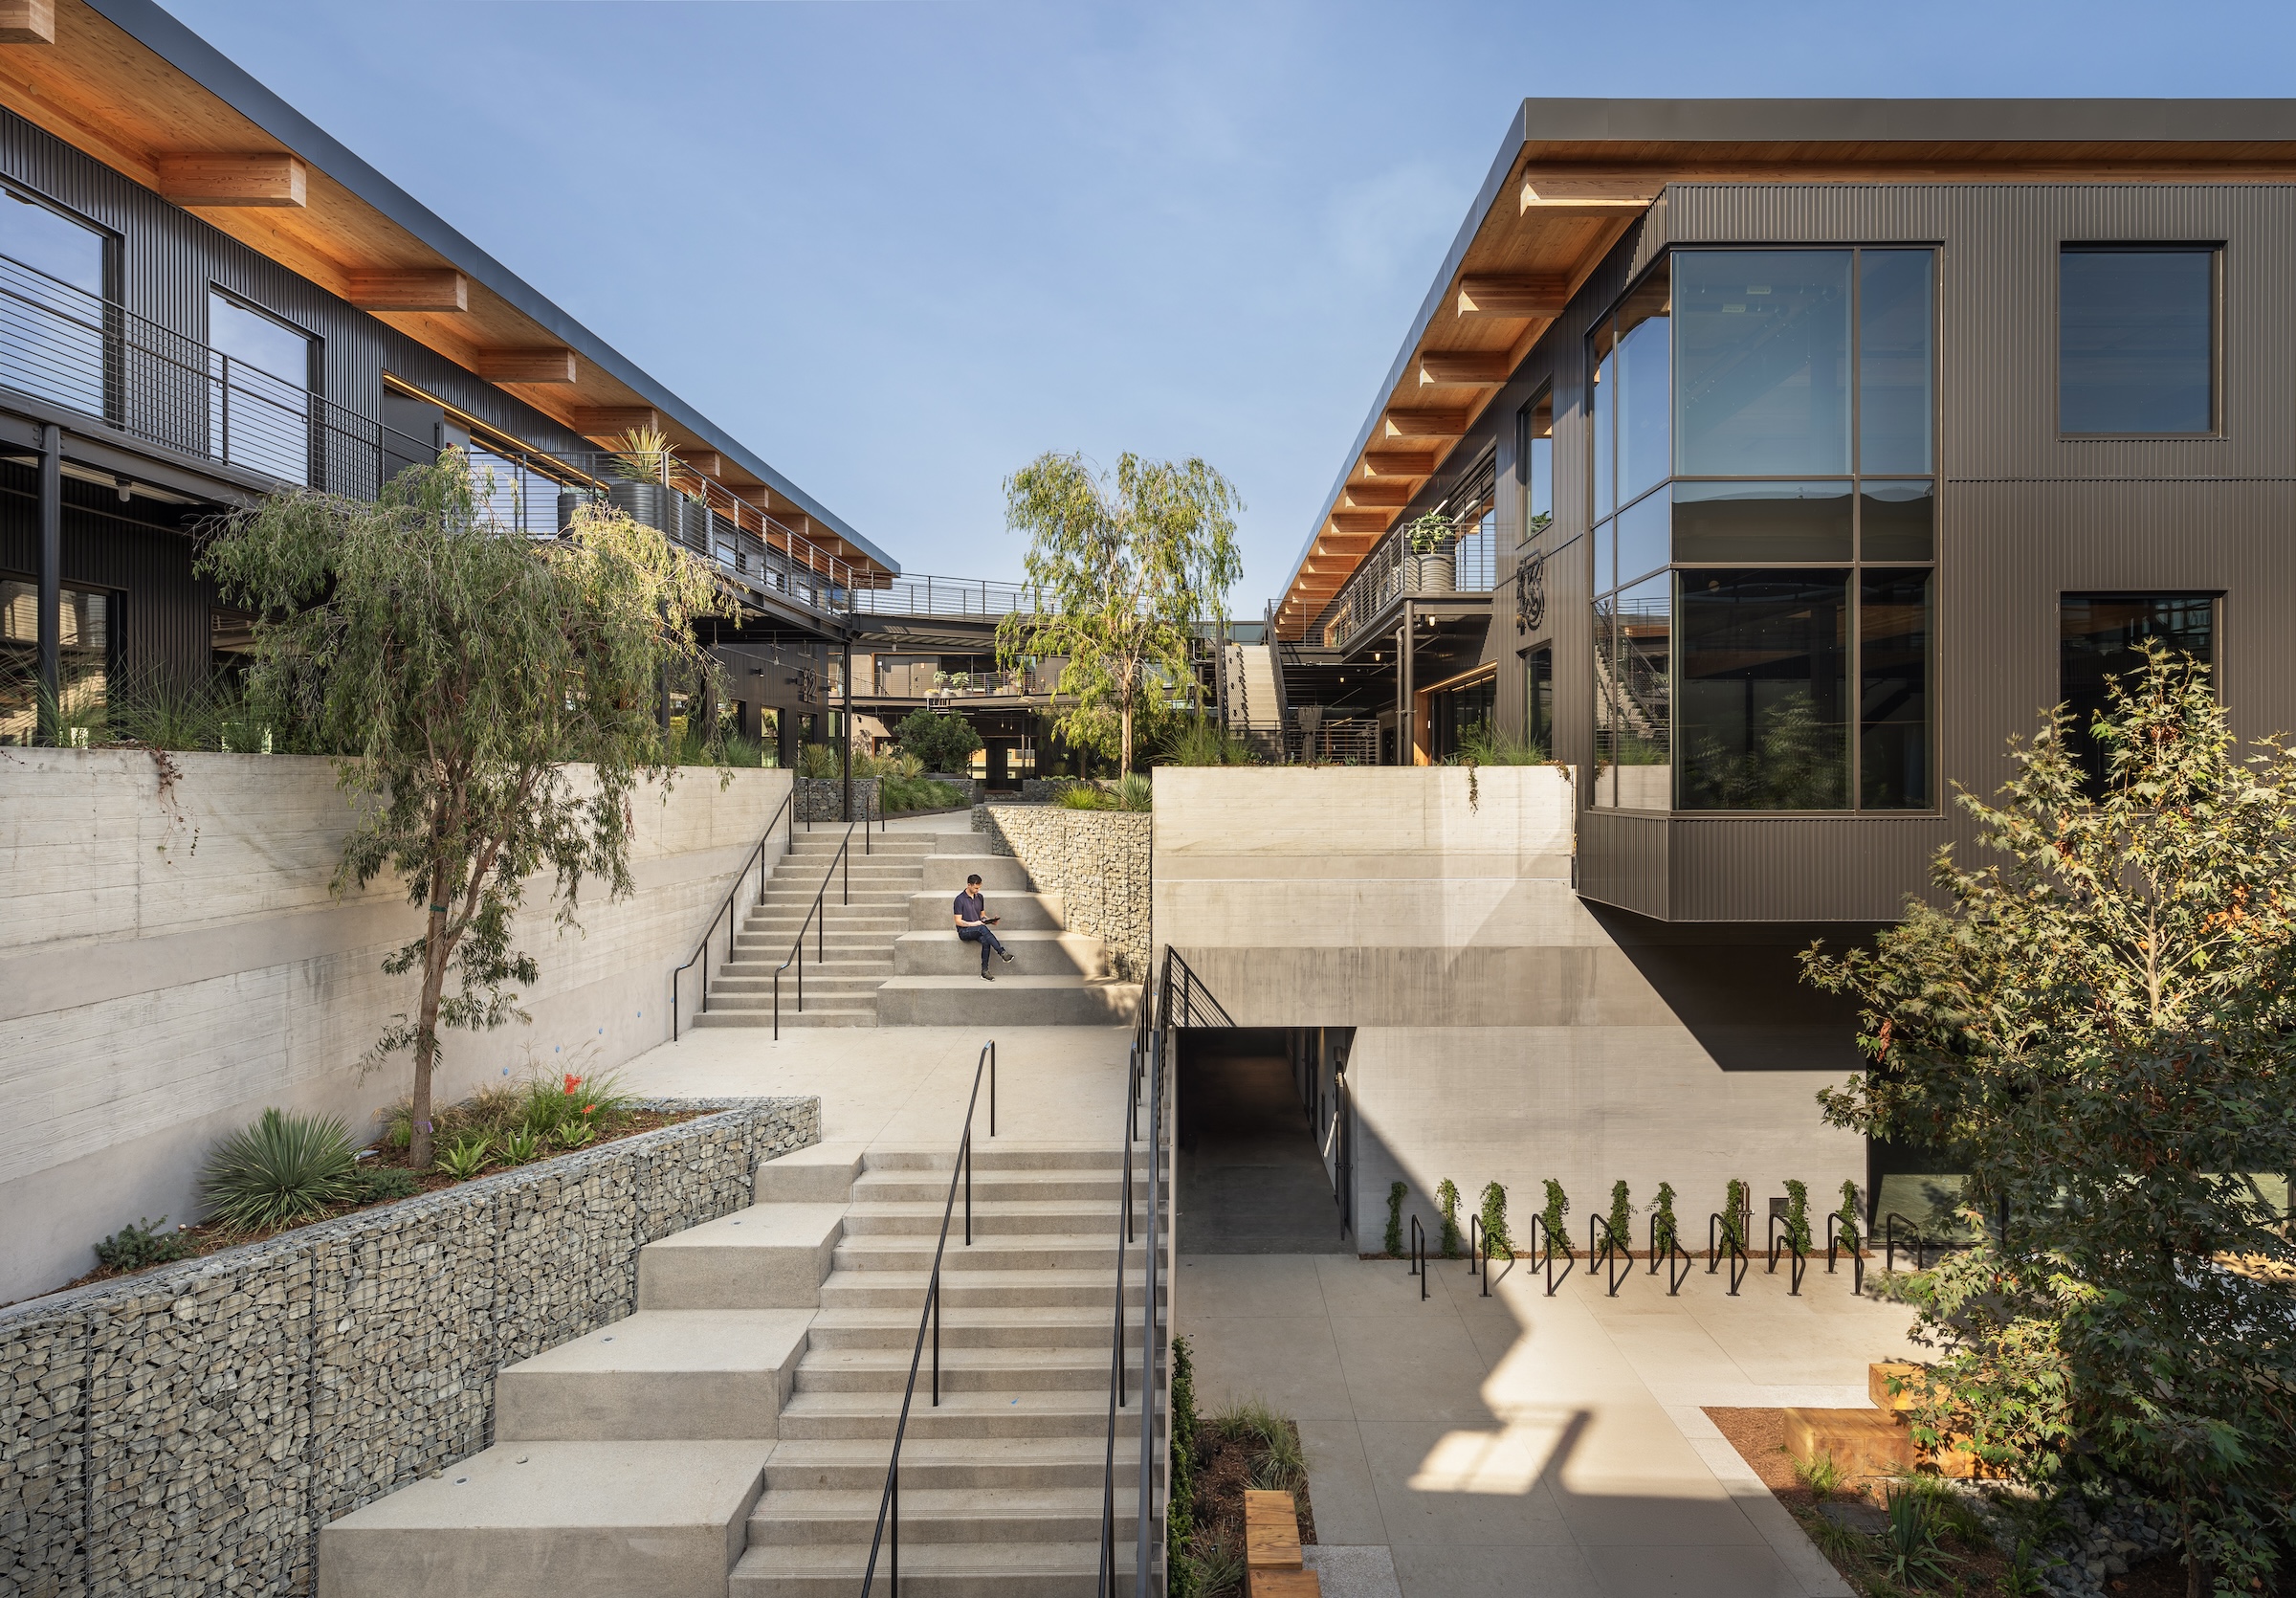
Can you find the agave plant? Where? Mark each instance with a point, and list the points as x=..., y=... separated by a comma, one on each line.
x=522, y=1146
x=464, y=1157
x=642, y=455
x=282, y=1169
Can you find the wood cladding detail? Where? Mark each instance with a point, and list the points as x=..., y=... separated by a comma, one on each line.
x=27, y=21
x=1413, y=423
x=600, y=421
x=1362, y=496
x=263, y=178
x=1399, y=463
x=1465, y=365
x=528, y=366
x=708, y=463
x=422, y=289
x=1361, y=520
x=1511, y=297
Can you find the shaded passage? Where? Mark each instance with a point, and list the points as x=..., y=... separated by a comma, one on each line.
x=1250, y=1178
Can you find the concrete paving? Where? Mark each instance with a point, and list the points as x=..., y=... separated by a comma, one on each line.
x=1533, y=1445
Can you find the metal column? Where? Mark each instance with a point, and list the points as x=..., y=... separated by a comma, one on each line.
x=1406, y=749
x=845, y=734
x=51, y=619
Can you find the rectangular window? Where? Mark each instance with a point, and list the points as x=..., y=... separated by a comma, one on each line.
x=1893, y=690
x=1763, y=724
x=1763, y=359
x=84, y=642
x=1537, y=452
x=1642, y=537
x=53, y=323
x=2100, y=639
x=1896, y=522
x=1604, y=404
x=1538, y=698
x=1634, y=698
x=2137, y=338
x=260, y=378
x=1738, y=522
x=1895, y=361
x=1644, y=394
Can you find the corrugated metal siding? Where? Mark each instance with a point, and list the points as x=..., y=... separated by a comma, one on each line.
x=1623, y=860
x=1748, y=868
x=164, y=618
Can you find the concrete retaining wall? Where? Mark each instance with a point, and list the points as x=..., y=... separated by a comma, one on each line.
x=1504, y=1029
x=1099, y=861
x=189, y=1430
x=173, y=961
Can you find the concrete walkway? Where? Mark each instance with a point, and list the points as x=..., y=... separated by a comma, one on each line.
x=1529, y=1446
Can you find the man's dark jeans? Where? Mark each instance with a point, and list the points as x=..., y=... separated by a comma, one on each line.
x=986, y=937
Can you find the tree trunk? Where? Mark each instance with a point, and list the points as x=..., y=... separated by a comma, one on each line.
x=1124, y=756
x=419, y=1151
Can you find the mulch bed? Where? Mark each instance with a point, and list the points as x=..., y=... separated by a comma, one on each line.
x=1760, y=1435
x=1223, y=1472
x=214, y=1237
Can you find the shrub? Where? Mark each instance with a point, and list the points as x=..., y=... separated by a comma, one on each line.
x=1480, y=745
x=1202, y=740
x=1134, y=791
x=1083, y=796
x=1797, y=1216
x=819, y=760
x=577, y=1135
x=1665, y=1232
x=522, y=1145
x=1446, y=1199
x=1495, y=1221
x=943, y=742
x=1394, y=1220
x=377, y=1184
x=1848, y=1215
x=132, y=1248
x=548, y=1108
x=282, y=1169
x=1621, y=1219
x=1180, y=1515
x=1559, y=1229
x=465, y=1157
x=1733, y=1214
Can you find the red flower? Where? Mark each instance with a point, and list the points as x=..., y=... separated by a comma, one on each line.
x=573, y=1084
x=587, y=1108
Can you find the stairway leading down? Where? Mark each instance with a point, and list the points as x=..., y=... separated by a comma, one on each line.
x=730, y=1438
x=893, y=955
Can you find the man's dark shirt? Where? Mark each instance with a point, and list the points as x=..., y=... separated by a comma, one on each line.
x=970, y=907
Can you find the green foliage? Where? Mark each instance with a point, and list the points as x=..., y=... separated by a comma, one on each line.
x=133, y=1248
x=1665, y=1233
x=1082, y=796
x=1394, y=1220
x=1446, y=1200
x=1551, y=1216
x=2098, y=1026
x=1621, y=1219
x=1128, y=576
x=899, y=795
x=1909, y=1542
x=1426, y=532
x=944, y=743
x=1849, y=1215
x=465, y=1157
x=1797, y=1215
x=379, y=1183
x=1215, y=1569
x=1733, y=1214
x=577, y=1135
x=1195, y=740
x=1495, y=1240
x=1180, y=1514
x=1480, y=744
x=1795, y=763
x=522, y=1146
x=282, y=1169
x=1821, y=1474
x=820, y=762
x=456, y=669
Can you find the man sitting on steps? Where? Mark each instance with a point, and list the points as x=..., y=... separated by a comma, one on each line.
x=976, y=925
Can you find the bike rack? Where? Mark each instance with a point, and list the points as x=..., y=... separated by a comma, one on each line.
x=1839, y=1236
x=1419, y=1256
x=1801, y=1260
x=1611, y=1252
x=1672, y=1252
x=1715, y=1230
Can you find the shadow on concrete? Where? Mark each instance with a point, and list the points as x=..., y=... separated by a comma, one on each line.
x=1250, y=1177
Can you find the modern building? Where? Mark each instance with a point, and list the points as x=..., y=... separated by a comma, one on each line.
x=203, y=297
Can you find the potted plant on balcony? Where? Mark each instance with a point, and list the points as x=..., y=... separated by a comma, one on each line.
x=1431, y=537
x=641, y=463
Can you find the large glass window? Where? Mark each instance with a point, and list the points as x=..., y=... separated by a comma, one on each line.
x=1634, y=696
x=1538, y=698
x=2135, y=340
x=1764, y=362
x=51, y=310
x=1894, y=356
x=1462, y=715
x=259, y=373
x=2101, y=637
x=1763, y=719
x=1893, y=690
x=84, y=641
x=1535, y=449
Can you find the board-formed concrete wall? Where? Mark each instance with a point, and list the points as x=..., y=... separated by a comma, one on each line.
x=1505, y=1030
x=189, y=1430
x=173, y=961
x=1099, y=861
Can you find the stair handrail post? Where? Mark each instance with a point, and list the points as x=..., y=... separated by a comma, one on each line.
x=1156, y=1122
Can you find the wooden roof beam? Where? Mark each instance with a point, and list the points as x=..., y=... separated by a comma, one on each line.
x=1364, y=495
x=1484, y=368
x=27, y=21
x=422, y=289
x=1362, y=520
x=1397, y=463
x=607, y=421
x=1524, y=298
x=203, y=178
x=528, y=366
x=1404, y=422
x=708, y=463
x=1566, y=193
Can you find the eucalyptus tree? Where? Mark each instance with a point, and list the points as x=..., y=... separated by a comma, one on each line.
x=1124, y=571
x=490, y=702
x=2098, y=1025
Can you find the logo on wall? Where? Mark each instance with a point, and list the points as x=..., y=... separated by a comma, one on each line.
x=1530, y=593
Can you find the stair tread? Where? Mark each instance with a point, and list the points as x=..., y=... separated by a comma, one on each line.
x=951, y=1451
x=923, y=1558
x=845, y=1504
x=1048, y=1400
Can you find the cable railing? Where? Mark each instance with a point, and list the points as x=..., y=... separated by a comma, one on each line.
x=817, y=919
x=725, y=913
x=925, y=595
x=889, y=1502
x=1392, y=571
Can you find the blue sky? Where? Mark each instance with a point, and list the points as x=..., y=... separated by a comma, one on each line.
x=900, y=248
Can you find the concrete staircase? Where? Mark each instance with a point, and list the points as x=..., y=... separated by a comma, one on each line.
x=767, y=1356
x=1001, y=1483
x=1255, y=712
x=895, y=959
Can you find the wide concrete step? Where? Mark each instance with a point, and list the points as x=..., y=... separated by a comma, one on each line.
x=891, y=1186
x=827, y=839
x=763, y=1016
x=767, y=1257
x=998, y=874
x=1007, y=1371
x=1022, y=1515
x=928, y=1570
x=966, y=1327
x=1093, y=1289
x=858, y=1464
x=777, y=931
x=1040, y=1412
x=1034, y=954
x=822, y=981
x=553, y=1520
x=859, y=999
x=1006, y=1001
x=990, y=1154
x=932, y=911
x=990, y=1217
x=818, y=1173
x=915, y=1251
x=657, y=1374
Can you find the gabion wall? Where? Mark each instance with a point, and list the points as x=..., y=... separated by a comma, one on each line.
x=189, y=1430
x=1096, y=860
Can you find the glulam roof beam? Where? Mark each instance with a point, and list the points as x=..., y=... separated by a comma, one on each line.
x=258, y=179
x=433, y=289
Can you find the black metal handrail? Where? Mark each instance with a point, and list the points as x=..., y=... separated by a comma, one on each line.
x=818, y=917
x=1800, y=1259
x=1180, y=999
x=1719, y=1232
x=725, y=913
x=889, y=1502
x=1841, y=1236
x=1144, y=1052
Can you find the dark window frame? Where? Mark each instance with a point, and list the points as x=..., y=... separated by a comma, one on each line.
x=2214, y=249
x=2216, y=598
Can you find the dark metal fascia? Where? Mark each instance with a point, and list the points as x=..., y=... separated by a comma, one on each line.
x=184, y=50
x=2114, y=122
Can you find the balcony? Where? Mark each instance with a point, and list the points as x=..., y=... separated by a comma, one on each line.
x=1393, y=572
x=957, y=597
x=91, y=358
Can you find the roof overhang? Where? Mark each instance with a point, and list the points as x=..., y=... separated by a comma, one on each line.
x=137, y=90
x=1571, y=176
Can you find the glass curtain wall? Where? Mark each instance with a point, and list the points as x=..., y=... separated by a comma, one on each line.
x=1763, y=630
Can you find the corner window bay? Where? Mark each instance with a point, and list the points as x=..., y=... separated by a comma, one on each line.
x=1763, y=473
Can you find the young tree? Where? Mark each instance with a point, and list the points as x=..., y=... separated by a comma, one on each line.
x=1123, y=576
x=2099, y=1029
x=943, y=742
x=456, y=670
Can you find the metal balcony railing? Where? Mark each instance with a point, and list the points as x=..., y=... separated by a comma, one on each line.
x=922, y=595
x=1392, y=572
x=94, y=357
